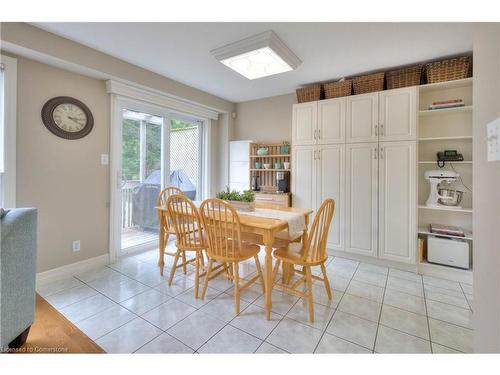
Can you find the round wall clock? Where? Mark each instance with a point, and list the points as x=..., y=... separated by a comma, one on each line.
x=67, y=117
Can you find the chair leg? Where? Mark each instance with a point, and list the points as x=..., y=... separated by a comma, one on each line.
x=326, y=281
x=197, y=274
x=174, y=267
x=236, y=274
x=184, y=268
x=276, y=269
x=207, y=276
x=309, y=293
x=259, y=272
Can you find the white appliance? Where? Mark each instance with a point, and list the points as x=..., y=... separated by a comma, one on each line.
x=448, y=251
x=239, y=164
x=437, y=179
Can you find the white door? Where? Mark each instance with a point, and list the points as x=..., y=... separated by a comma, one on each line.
x=397, y=169
x=304, y=176
x=239, y=163
x=330, y=184
x=362, y=118
x=331, y=121
x=304, y=127
x=361, y=198
x=398, y=114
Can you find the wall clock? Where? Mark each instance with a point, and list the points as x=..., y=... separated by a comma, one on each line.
x=67, y=117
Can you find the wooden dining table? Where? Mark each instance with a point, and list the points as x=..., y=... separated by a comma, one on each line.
x=263, y=230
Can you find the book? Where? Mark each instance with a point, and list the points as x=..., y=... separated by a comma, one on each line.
x=433, y=107
x=448, y=101
x=447, y=104
x=446, y=229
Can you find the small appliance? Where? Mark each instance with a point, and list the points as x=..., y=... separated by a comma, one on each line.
x=448, y=251
x=448, y=155
x=255, y=183
x=440, y=179
x=282, y=182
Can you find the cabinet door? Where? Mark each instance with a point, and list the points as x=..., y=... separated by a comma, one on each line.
x=330, y=184
x=331, y=121
x=398, y=114
x=304, y=176
x=362, y=118
x=361, y=198
x=397, y=169
x=304, y=123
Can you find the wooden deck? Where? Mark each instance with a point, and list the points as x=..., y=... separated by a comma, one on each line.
x=133, y=237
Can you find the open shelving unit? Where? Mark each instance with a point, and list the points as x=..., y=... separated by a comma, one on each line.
x=439, y=130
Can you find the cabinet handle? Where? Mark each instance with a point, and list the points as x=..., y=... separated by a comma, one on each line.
x=319, y=133
x=376, y=130
x=382, y=132
x=375, y=153
x=319, y=154
x=315, y=133
x=381, y=152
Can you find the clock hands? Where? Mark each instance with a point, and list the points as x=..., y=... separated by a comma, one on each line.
x=75, y=120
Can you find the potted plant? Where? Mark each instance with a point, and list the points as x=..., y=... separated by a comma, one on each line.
x=243, y=201
x=285, y=149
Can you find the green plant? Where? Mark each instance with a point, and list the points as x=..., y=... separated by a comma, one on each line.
x=228, y=195
x=285, y=149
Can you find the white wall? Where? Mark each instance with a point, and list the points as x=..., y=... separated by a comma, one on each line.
x=486, y=192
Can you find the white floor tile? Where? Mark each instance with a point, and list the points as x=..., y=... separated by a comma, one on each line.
x=67, y=297
x=294, y=337
x=196, y=329
x=231, y=340
x=410, y=276
x=95, y=274
x=321, y=296
x=124, y=290
x=45, y=289
x=249, y=294
x=449, y=313
x=362, y=307
x=189, y=298
x=340, y=270
x=405, y=286
x=440, y=349
x=281, y=302
x=129, y=337
x=104, y=322
x=220, y=283
x=442, y=283
x=405, y=321
x=467, y=288
x=165, y=344
x=436, y=294
x=368, y=291
x=391, y=341
x=179, y=285
x=145, y=301
x=267, y=348
x=344, y=262
x=368, y=277
x=338, y=282
x=354, y=329
x=300, y=313
x=253, y=320
x=404, y=301
x=470, y=300
x=451, y=335
x=373, y=268
x=86, y=308
x=168, y=314
x=333, y=344
x=223, y=307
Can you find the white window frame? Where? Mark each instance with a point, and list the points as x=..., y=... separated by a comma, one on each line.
x=8, y=99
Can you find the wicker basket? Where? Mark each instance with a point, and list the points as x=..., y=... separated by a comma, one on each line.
x=309, y=93
x=368, y=83
x=410, y=76
x=448, y=70
x=337, y=89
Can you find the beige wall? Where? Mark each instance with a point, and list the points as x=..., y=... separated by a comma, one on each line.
x=265, y=120
x=486, y=192
x=62, y=178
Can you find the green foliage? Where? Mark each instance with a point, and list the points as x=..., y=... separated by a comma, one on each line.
x=244, y=196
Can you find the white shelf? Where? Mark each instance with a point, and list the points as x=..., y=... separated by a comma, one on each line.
x=445, y=111
x=455, y=138
x=466, y=82
x=445, y=208
x=448, y=162
x=468, y=235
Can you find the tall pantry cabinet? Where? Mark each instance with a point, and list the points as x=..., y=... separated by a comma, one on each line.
x=360, y=150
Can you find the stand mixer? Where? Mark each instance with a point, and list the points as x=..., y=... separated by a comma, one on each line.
x=439, y=179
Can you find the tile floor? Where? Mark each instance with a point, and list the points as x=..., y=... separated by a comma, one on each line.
x=127, y=307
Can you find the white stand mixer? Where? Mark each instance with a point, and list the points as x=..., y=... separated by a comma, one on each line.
x=435, y=178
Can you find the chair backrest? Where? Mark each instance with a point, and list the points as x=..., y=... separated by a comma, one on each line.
x=315, y=246
x=162, y=201
x=222, y=227
x=186, y=222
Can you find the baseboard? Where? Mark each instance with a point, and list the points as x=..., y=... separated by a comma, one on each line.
x=375, y=261
x=71, y=269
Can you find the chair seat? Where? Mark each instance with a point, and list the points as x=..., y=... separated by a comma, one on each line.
x=292, y=254
x=247, y=251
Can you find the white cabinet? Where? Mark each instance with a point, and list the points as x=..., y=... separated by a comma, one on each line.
x=304, y=176
x=239, y=163
x=361, y=198
x=330, y=184
x=397, y=114
x=397, y=171
x=331, y=121
x=304, y=123
x=362, y=118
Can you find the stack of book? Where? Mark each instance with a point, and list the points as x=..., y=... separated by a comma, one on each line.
x=452, y=103
x=446, y=230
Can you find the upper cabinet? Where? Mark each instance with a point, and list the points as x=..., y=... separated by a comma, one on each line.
x=398, y=114
x=362, y=118
x=331, y=121
x=304, y=127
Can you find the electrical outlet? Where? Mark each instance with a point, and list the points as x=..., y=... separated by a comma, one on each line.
x=493, y=133
x=104, y=159
x=76, y=245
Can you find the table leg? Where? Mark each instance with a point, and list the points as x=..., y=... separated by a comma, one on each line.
x=268, y=242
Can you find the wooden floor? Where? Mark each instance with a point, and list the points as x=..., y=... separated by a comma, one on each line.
x=53, y=333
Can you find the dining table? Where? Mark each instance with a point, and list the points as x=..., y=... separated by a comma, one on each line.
x=262, y=229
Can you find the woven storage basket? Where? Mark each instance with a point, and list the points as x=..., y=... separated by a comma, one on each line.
x=337, y=89
x=309, y=93
x=410, y=76
x=448, y=70
x=368, y=83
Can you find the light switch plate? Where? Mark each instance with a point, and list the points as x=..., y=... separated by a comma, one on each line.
x=104, y=159
x=493, y=136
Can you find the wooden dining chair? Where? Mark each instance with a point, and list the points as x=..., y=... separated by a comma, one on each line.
x=186, y=224
x=310, y=253
x=165, y=228
x=223, y=230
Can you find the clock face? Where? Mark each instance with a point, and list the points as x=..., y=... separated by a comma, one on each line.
x=67, y=117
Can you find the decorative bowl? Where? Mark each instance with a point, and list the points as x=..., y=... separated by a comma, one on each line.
x=267, y=166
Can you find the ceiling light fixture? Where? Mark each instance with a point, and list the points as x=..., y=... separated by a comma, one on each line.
x=258, y=56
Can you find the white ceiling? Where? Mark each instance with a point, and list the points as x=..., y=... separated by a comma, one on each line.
x=181, y=51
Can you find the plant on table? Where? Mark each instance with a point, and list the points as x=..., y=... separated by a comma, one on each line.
x=228, y=195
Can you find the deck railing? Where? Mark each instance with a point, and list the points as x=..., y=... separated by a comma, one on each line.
x=127, y=202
